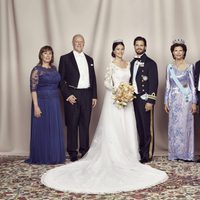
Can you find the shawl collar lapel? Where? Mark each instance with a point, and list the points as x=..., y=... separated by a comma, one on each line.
x=73, y=60
x=88, y=62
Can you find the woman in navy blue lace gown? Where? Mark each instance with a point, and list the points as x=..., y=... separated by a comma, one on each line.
x=47, y=139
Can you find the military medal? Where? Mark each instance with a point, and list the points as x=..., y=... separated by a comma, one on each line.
x=141, y=64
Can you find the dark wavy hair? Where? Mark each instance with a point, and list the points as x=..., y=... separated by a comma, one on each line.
x=44, y=49
x=184, y=47
x=114, y=46
x=138, y=38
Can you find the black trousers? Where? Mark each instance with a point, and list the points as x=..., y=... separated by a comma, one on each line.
x=145, y=128
x=198, y=98
x=77, y=119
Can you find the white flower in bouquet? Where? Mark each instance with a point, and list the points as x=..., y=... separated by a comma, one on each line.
x=123, y=95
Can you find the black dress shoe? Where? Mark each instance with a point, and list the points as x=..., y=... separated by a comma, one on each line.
x=188, y=160
x=145, y=160
x=82, y=155
x=73, y=158
x=198, y=161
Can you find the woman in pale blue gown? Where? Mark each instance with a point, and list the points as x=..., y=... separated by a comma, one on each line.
x=180, y=103
x=112, y=162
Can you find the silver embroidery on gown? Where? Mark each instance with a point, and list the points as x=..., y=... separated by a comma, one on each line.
x=181, y=120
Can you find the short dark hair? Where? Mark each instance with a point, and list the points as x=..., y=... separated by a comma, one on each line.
x=114, y=46
x=184, y=47
x=44, y=49
x=140, y=38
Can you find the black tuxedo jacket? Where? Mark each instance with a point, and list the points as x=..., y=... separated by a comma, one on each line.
x=150, y=72
x=69, y=72
x=196, y=78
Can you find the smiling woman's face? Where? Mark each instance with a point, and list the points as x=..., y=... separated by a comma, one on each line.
x=178, y=53
x=119, y=51
x=46, y=57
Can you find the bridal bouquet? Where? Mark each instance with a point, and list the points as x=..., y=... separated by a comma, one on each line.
x=123, y=94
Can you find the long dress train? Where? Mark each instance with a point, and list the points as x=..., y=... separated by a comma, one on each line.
x=112, y=162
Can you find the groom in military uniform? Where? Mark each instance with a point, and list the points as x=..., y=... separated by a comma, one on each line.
x=144, y=78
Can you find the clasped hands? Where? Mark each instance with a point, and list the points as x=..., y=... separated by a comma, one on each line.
x=72, y=99
x=193, y=109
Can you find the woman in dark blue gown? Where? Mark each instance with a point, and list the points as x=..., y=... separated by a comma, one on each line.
x=47, y=139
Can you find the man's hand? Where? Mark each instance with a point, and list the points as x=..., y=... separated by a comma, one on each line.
x=94, y=102
x=148, y=106
x=71, y=99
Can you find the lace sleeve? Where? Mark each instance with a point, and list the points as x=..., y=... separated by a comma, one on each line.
x=108, y=80
x=34, y=79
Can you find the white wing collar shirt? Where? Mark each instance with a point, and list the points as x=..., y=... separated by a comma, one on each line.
x=135, y=69
x=83, y=70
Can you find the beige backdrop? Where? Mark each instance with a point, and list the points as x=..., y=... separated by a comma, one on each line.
x=25, y=26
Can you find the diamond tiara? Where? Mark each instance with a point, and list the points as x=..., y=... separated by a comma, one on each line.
x=178, y=41
x=119, y=40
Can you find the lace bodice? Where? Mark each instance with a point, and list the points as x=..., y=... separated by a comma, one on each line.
x=115, y=75
x=112, y=163
x=44, y=79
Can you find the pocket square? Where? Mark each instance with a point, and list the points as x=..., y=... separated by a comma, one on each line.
x=91, y=64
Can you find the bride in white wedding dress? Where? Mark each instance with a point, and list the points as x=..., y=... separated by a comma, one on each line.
x=112, y=162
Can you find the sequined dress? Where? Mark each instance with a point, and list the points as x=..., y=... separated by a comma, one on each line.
x=181, y=120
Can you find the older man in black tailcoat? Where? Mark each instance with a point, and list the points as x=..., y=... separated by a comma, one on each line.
x=78, y=86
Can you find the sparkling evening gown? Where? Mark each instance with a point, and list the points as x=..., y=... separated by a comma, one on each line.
x=181, y=120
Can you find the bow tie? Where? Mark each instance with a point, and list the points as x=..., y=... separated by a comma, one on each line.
x=137, y=59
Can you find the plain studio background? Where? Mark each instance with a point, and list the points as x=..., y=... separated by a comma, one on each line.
x=26, y=26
